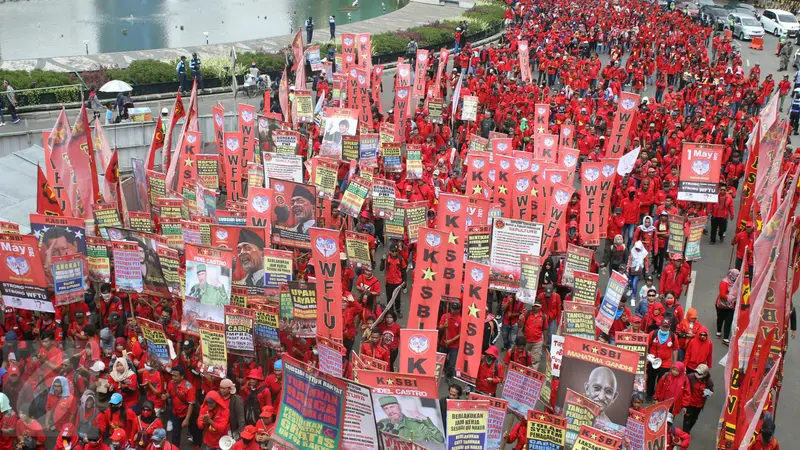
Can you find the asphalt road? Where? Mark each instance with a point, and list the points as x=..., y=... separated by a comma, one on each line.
x=710, y=269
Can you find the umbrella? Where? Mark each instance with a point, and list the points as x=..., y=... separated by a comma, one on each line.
x=116, y=86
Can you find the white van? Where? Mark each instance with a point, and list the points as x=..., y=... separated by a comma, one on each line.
x=780, y=22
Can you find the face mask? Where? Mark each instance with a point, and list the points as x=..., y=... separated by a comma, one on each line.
x=147, y=414
x=115, y=444
x=315, y=352
x=148, y=367
x=106, y=297
x=67, y=445
x=669, y=301
x=157, y=444
x=116, y=407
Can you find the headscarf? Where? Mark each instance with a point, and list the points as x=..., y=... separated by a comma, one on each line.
x=638, y=256
x=64, y=386
x=84, y=398
x=646, y=228
x=123, y=342
x=620, y=239
x=5, y=403
x=734, y=288
x=106, y=340
x=120, y=377
x=673, y=387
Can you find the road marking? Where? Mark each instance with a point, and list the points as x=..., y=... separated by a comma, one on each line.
x=748, y=63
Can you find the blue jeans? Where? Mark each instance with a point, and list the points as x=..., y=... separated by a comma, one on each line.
x=633, y=283
x=455, y=47
x=450, y=362
x=627, y=233
x=509, y=334
x=551, y=330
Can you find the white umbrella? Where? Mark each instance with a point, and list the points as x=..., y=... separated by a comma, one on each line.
x=116, y=86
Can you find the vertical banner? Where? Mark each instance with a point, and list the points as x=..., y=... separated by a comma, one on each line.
x=98, y=259
x=497, y=417
x=127, y=267
x=699, y=176
x=325, y=253
x=546, y=431
x=591, y=202
x=473, y=318
x=546, y=147
x=530, y=266
x=676, y=235
x=521, y=388
x=214, y=351
x=608, y=174
x=696, y=226
x=521, y=200
x=311, y=414
x=621, y=127
x=555, y=217
x=426, y=288
x=578, y=258
x=579, y=320
x=218, y=111
x=567, y=136
x=579, y=411
x=467, y=422
x=259, y=208
x=364, y=50
x=420, y=70
x=190, y=147
x=656, y=431
x=68, y=279
x=157, y=343
x=22, y=282
x=503, y=193
x=477, y=173
x=452, y=218
x=541, y=120
x=615, y=289
x=239, y=325
x=584, y=288
x=635, y=342
x=524, y=61
x=247, y=126
x=233, y=165
x=402, y=102
x=348, y=51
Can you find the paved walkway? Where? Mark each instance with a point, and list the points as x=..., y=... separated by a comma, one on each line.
x=412, y=15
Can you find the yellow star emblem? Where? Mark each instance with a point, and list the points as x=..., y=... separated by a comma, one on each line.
x=452, y=239
x=574, y=307
x=540, y=129
x=188, y=162
x=428, y=274
x=535, y=192
x=390, y=381
x=502, y=189
x=477, y=189
x=473, y=311
x=595, y=349
x=594, y=436
x=627, y=338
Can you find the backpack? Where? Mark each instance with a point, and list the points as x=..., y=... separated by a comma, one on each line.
x=142, y=440
x=669, y=313
x=252, y=407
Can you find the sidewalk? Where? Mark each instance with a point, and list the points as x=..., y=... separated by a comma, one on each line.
x=412, y=15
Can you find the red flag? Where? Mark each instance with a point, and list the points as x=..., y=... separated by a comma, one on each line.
x=175, y=115
x=58, y=167
x=749, y=186
x=112, y=176
x=473, y=318
x=46, y=202
x=82, y=187
x=444, y=55
x=623, y=118
x=157, y=143
x=297, y=49
x=283, y=96
x=190, y=124
x=325, y=254
x=426, y=289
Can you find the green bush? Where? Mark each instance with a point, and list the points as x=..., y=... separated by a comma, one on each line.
x=388, y=43
x=266, y=62
x=21, y=79
x=433, y=35
x=487, y=12
x=145, y=71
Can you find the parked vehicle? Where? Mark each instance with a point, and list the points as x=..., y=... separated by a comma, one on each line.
x=780, y=22
x=745, y=26
x=715, y=16
x=741, y=6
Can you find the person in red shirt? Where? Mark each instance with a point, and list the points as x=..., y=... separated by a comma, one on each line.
x=675, y=276
x=663, y=346
x=49, y=358
x=490, y=372
x=551, y=302
x=351, y=311
x=766, y=441
x=375, y=348
x=8, y=424
x=29, y=432
x=535, y=332
x=390, y=334
x=720, y=213
x=367, y=286
x=518, y=434
x=265, y=425
x=118, y=416
x=149, y=422
x=123, y=380
x=61, y=404
x=184, y=398
x=512, y=316
x=450, y=324
x=743, y=241
x=395, y=266
x=213, y=419
x=153, y=383
x=247, y=441
x=518, y=354
x=255, y=393
x=700, y=387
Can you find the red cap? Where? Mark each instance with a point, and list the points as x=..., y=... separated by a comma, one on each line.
x=119, y=435
x=13, y=370
x=249, y=432
x=255, y=374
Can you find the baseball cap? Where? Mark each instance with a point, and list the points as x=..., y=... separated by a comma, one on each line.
x=116, y=399
x=249, y=432
x=159, y=434
x=119, y=435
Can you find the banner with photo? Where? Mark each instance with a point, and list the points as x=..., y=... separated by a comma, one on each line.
x=98, y=259
x=148, y=261
x=510, y=239
x=312, y=408
x=248, y=245
x=213, y=349
x=496, y=419
x=57, y=236
x=195, y=312
x=579, y=320
x=22, y=282
x=338, y=122
x=239, y=330
x=467, y=422
x=521, y=388
x=546, y=431
x=266, y=126
x=208, y=275
x=69, y=284
x=615, y=289
x=158, y=345
x=699, y=172
x=293, y=214
x=412, y=414
x=595, y=369
x=127, y=271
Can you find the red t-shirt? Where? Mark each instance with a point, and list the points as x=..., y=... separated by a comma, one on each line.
x=453, y=328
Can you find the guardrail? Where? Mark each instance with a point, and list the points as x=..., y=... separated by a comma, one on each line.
x=53, y=94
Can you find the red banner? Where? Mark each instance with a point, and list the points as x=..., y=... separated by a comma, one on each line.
x=504, y=166
x=451, y=220
x=348, y=51
x=401, y=106
x=426, y=290
x=473, y=318
x=623, y=119
x=377, y=77
x=418, y=91
x=190, y=148
x=555, y=216
x=247, y=126
x=590, y=202
x=568, y=160
x=233, y=165
x=156, y=144
x=608, y=174
x=524, y=61
x=46, y=203
x=699, y=177
x=567, y=135
x=656, y=431
x=444, y=55
x=55, y=164
x=325, y=255
x=362, y=103
x=545, y=147
x=521, y=200
x=417, y=353
x=477, y=173
x=259, y=208
x=541, y=119
x=218, y=112
x=364, y=48
x=81, y=181
x=22, y=280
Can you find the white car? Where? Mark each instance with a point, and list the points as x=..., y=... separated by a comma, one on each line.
x=780, y=22
x=744, y=26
